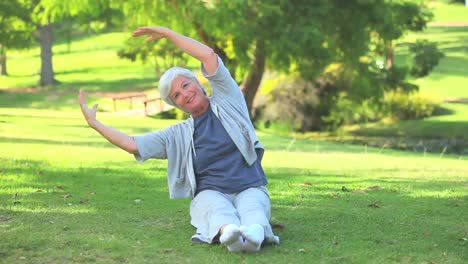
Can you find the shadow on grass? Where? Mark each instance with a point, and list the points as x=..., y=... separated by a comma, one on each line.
x=122, y=85
x=284, y=143
x=443, y=111
x=101, y=144
x=41, y=100
x=418, y=129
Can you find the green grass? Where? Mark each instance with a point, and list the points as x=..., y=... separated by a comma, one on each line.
x=90, y=63
x=119, y=210
x=452, y=124
x=68, y=196
x=444, y=11
x=449, y=78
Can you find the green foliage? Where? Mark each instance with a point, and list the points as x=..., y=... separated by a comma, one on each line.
x=16, y=28
x=162, y=54
x=425, y=56
x=395, y=78
x=294, y=101
x=346, y=112
x=341, y=95
x=401, y=105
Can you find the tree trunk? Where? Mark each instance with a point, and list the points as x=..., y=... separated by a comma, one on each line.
x=46, y=40
x=3, y=60
x=252, y=82
x=389, y=58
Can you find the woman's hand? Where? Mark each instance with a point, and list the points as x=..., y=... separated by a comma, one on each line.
x=155, y=32
x=89, y=114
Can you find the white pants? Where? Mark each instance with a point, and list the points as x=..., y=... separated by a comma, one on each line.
x=210, y=210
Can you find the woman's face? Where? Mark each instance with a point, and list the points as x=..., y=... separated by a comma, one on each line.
x=189, y=96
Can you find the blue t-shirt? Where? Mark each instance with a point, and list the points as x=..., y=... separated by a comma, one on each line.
x=218, y=164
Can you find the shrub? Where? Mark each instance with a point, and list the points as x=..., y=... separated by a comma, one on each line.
x=347, y=112
x=395, y=77
x=294, y=101
x=400, y=105
x=425, y=56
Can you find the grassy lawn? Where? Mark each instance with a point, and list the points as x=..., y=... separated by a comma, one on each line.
x=453, y=124
x=445, y=11
x=449, y=78
x=66, y=196
x=90, y=63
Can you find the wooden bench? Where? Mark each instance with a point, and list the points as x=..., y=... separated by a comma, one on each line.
x=155, y=104
x=129, y=98
x=153, y=101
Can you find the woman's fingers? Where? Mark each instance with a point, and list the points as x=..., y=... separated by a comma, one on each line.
x=141, y=31
x=154, y=32
x=152, y=37
x=82, y=97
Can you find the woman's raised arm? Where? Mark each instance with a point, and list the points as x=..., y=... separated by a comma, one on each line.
x=190, y=46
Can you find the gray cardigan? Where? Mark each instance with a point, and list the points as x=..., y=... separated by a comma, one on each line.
x=175, y=143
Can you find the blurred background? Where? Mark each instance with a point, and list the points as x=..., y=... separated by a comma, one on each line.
x=376, y=72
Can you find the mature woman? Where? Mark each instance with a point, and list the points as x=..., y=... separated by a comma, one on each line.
x=214, y=156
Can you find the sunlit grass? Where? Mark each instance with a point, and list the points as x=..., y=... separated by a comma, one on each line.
x=453, y=124
x=444, y=11
x=66, y=195
x=448, y=79
x=86, y=62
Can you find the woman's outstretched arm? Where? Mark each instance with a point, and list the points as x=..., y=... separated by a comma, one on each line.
x=114, y=136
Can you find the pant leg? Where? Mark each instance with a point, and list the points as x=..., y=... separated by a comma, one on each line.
x=253, y=206
x=210, y=210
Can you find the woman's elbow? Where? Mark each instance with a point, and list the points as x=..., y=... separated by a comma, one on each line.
x=130, y=147
x=210, y=61
x=133, y=151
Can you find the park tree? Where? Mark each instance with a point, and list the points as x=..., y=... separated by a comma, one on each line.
x=15, y=29
x=23, y=20
x=394, y=20
x=248, y=35
x=351, y=87
x=51, y=13
x=296, y=36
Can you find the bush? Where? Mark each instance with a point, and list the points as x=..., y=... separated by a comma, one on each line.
x=395, y=79
x=400, y=105
x=425, y=56
x=294, y=101
x=323, y=104
x=347, y=112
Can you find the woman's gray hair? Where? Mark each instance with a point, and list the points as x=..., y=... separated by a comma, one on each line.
x=165, y=82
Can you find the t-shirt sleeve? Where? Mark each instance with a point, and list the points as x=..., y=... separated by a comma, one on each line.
x=151, y=145
x=223, y=86
x=221, y=80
